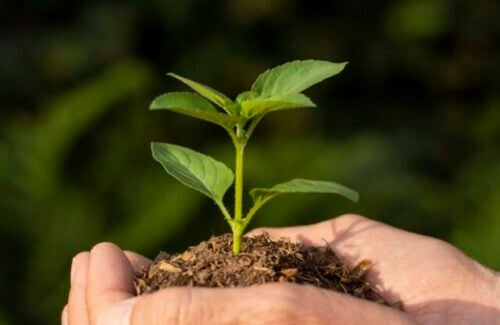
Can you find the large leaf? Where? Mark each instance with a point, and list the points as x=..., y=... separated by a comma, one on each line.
x=294, y=77
x=196, y=170
x=211, y=94
x=195, y=106
x=260, y=106
x=298, y=185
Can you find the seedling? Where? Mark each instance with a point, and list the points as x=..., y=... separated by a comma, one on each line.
x=276, y=89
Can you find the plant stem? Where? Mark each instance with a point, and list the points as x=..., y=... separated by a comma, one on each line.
x=239, y=143
x=237, y=233
x=253, y=124
x=257, y=205
x=238, y=184
x=225, y=213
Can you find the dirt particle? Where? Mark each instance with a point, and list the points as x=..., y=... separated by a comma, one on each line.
x=167, y=267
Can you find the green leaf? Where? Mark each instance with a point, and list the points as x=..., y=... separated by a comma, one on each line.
x=193, y=169
x=294, y=77
x=213, y=95
x=195, y=106
x=261, y=106
x=246, y=96
x=262, y=195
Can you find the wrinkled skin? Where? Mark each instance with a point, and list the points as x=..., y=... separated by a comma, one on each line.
x=435, y=282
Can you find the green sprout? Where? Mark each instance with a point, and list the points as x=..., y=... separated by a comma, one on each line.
x=276, y=89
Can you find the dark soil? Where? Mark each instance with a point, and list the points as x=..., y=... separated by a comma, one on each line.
x=212, y=264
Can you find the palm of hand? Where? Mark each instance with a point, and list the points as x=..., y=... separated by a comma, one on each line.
x=434, y=281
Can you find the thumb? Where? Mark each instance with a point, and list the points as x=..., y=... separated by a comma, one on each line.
x=260, y=304
x=109, y=285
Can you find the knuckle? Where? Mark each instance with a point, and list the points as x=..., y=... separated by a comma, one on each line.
x=283, y=302
x=173, y=306
x=182, y=313
x=294, y=304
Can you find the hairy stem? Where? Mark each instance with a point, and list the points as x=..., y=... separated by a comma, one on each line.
x=257, y=205
x=237, y=234
x=253, y=125
x=238, y=184
x=225, y=213
x=239, y=143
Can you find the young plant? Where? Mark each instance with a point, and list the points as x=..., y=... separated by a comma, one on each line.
x=276, y=89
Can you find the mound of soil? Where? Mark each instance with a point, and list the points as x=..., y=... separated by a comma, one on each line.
x=212, y=264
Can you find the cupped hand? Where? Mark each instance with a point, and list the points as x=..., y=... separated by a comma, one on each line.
x=435, y=282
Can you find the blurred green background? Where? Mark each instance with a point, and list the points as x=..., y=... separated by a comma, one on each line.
x=413, y=123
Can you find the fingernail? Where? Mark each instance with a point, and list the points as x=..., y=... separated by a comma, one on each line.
x=118, y=314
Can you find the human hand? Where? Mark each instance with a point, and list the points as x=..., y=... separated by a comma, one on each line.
x=102, y=292
x=435, y=282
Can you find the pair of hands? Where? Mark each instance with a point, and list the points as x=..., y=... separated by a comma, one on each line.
x=436, y=283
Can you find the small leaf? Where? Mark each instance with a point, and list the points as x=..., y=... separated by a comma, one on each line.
x=193, y=169
x=262, y=195
x=195, y=106
x=294, y=77
x=261, y=106
x=213, y=95
x=246, y=96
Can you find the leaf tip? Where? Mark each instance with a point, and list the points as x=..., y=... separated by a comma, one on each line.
x=355, y=197
x=153, y=106
x=175, y=76
x=154, y=148
x=344, y=64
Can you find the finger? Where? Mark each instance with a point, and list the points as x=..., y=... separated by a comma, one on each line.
x=77, y=303
x=138, y=261
x=64, y=316
x=311, y=235
x=333, y=232
x=317, y=234
x=110, y=279
x=264, y=304
x=352, y=236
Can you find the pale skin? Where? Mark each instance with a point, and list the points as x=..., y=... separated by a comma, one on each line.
x=435, y=282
